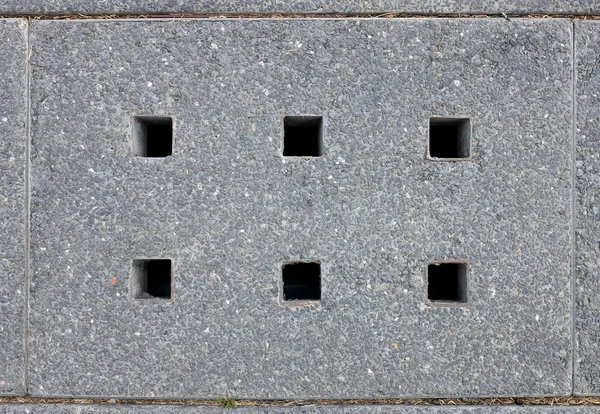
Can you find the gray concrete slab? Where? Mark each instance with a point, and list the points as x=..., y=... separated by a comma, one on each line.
x=302, y=6
x=332, y=409
x=13, y=144
x=229, y=210
x=587, y=356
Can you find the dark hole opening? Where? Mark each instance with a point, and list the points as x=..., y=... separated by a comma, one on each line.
x=152, y=279
x=153, y=136
x=301, y=281
x=449, y=137
x=447, y=282
x=302, y=136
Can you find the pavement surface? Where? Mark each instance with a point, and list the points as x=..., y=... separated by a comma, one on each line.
x=152, y=220
x=454, y=7
x=333, y=409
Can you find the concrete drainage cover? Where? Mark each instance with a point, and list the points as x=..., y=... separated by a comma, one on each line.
x=224, y=211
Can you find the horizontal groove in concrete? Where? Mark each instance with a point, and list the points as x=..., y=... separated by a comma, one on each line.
x=299, y=16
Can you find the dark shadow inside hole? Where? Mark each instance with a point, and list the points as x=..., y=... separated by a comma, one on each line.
x=301, y=281
x=302, y=136
x=152, y=279
x=447, y=282
x=152, y=136
x=159, y=279
x=159, y=140
x=449, y=137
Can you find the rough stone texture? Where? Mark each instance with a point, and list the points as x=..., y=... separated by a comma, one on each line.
x=301, y=6
x=587, y=322
x=13, y=143
x=228, y=209
x=333, y=409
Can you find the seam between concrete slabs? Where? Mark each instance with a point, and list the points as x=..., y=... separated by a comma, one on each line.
x=446, y=403
x=27, y=198
x=573, y=202
x=280, y=17
x=276, y=15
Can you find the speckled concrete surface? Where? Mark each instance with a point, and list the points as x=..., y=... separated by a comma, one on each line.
x=333, y=409
x=301, y=6
x=587, y=339
x=228, y=209
x=13, y=142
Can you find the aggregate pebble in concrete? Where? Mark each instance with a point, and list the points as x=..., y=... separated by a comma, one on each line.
x=587, y=162
x=228, y=209
x=13, y=144
x=301, y=6
x=333, y=409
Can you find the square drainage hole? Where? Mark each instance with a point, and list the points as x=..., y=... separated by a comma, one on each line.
x=447, y=282
x=152, y=136
x=151, y=279
x=301, y=281
x=302, y=136
x=449, y=138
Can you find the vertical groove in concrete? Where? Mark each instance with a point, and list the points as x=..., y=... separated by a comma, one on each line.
x=27, y=201
x=573, y=204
